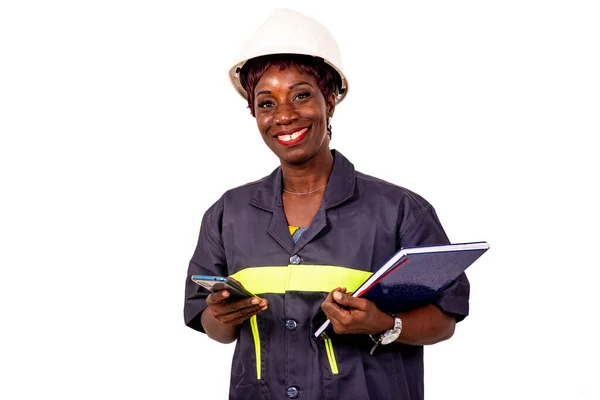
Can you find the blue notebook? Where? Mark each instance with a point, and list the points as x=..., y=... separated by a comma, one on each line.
x=414, y=276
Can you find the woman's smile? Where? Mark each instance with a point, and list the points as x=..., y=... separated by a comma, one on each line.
x=290, y=138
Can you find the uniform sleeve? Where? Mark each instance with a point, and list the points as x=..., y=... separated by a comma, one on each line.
x=208, y=259
x=427, y=230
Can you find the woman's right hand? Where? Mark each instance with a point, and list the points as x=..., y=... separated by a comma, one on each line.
x=234, y=312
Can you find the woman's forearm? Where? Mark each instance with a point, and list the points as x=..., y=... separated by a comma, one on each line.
x=354, y=315
x=426, y=325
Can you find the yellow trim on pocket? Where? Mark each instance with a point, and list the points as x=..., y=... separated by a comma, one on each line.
x=256, y=335
x=331, y=356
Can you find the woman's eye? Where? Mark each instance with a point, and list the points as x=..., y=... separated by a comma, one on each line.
x=302, y=95
x=265, y=104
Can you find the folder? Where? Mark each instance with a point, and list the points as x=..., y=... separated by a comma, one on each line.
x=413, y=277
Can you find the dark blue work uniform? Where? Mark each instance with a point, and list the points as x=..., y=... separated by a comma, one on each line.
x=361, y=223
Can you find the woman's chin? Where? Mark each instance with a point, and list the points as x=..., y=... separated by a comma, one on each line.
x=294, y=156
x=299, y=155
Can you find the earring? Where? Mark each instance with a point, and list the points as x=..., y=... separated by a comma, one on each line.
x=329, y=127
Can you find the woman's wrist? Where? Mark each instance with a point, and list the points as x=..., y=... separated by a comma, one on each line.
x=385, y=323
x=223, y=333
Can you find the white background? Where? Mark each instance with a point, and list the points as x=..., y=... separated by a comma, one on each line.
x=119, y=128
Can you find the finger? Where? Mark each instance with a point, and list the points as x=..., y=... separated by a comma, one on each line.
x=217, y=297
x=244, y=311
x=337, y=316
x=328, y=302
x=330, y=294
x=222, y=311
x=242, y=308
x=331, y=309
x=347, y=313
x=227, y=313
x=346, y=300
x=250, y=302
x=242, y=315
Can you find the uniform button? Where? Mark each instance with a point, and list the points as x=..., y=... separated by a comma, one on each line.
x=292, y=392
x=295, y=259
x=291, y=325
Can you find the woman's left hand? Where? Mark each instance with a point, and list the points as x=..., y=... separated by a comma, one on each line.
x=354, y=315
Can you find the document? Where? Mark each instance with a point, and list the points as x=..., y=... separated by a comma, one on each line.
x=414, y=276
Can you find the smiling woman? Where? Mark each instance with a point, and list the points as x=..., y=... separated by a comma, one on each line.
x=292, y=114
x=305, y=236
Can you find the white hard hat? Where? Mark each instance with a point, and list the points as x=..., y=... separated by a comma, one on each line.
x=289, y=32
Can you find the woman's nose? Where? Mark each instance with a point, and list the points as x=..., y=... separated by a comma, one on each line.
x=285, y=114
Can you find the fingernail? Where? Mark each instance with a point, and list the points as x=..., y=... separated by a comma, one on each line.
x=225, y=293
x=337, y=295
x=255, y=301
x=264, y=308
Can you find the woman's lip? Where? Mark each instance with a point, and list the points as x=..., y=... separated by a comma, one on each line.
x=291, y=142
x=290, y=132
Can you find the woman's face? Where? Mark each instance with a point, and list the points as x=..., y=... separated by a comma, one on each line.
x=291, y=114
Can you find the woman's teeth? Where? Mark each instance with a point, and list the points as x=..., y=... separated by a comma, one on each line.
x=295, y=135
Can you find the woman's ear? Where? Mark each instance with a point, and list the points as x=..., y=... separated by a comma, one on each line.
x=331, y=105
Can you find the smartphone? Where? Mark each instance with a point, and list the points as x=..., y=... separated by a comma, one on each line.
x=216, y=283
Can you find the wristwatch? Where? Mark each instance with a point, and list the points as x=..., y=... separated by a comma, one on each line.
x=391, y=335
x=388, y=336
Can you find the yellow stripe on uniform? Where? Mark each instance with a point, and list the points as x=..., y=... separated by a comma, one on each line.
x=301, y=278
x=331, y=356
x=255, y=334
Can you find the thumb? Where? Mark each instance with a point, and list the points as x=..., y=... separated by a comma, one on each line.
x=344, y=299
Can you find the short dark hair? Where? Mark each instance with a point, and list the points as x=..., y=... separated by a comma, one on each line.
x=328, y=79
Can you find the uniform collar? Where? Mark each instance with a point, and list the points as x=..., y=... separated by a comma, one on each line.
x=339, y=188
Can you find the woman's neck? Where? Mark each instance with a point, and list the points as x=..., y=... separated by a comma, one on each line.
x=308, y=177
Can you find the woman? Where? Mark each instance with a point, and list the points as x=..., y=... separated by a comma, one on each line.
x=305, y=236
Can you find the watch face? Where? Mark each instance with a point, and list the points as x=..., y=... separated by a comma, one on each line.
x=390, y=337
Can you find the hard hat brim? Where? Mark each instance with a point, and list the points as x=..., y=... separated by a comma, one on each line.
x=234, y=77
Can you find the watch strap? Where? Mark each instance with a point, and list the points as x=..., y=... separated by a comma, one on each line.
x=397, y=328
